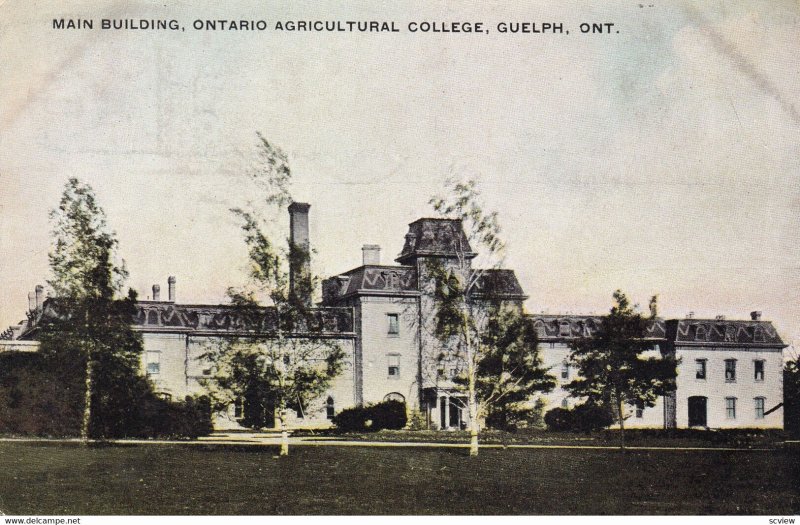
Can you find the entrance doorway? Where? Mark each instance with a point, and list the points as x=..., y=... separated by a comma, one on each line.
x=697, y=411
x=451, y=413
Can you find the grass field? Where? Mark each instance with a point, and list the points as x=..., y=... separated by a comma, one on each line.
x=67, y=478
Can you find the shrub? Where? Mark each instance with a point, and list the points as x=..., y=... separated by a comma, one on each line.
x=352, y=419
x=559, y=419
x=371, y=418
x=389, y=415
x=589, y=417
x=36, y=400
x=161, y=418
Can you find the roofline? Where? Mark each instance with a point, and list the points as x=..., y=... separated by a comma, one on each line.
x=223, y=333
x=727, y=344
x=364, y=266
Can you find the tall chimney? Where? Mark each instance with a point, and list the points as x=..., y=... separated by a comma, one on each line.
x=170, y=288
x=299, y=253
x=157, y=292
x=371, y=254
x=755, y=315
x=39, y=290
x=31, y=301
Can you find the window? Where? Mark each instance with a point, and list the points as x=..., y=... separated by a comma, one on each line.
x=565, y=403
x=453, y=373
x=206, y=371
x=564, y=329
x=330, y=409
x=730, y=407
x=394, y=324
x=759, y=407
x=394, y=365
x=153, y=363
x=758, y=369
x=565, y=370
x=238, y=408
x=758, y=334
x=730, y=370
x=286, y=360
x=700, y=368
x=639, y=410
x=701, y=334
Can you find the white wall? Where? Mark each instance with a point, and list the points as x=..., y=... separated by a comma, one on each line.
x=181, y=373
x=378, y=344
x=745, y=388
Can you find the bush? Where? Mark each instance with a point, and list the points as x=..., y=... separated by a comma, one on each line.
x=35, y=400
x=352, y=420
x=372, y=418
x=583, y=418
x=589, y=417
x=160, y=418
x=559, y=419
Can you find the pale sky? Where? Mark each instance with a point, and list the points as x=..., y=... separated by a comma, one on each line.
x=663, y=159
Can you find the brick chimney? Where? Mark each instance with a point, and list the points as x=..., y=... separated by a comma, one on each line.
x=299, y=253
x=371, y=254
x=156, y=292
x=755, y=315
x=170, y=288
x=39, y=291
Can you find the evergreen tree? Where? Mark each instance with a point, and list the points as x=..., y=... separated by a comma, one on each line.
x=612, y=366
x=87, y=330
x=791, y=396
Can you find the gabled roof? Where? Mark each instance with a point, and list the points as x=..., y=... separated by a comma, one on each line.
x=722, y=332
x=435, y=238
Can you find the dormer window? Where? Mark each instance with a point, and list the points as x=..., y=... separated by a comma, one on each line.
x=701, y=334
x=564, y=329
x=758, y=334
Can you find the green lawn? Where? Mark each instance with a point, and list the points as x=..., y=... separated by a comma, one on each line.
x=51, y=478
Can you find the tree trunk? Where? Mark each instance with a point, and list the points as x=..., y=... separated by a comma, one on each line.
x=621, y=422
x=284, y=431
x=473, y=426
x=473, y=395
x=87, y=405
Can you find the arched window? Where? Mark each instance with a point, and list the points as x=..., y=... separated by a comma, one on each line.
x=330, y=409
x=702, y=333
x=395, y=396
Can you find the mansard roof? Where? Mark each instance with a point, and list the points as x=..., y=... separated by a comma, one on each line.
x=371, y=280
x=502, y=283
x=163, y=316
x=555, y=327
x=435, y=238
x=722, y=332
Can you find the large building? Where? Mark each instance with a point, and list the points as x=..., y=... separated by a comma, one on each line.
x=730, y=372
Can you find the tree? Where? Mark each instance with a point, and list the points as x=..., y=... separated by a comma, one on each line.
x=612, y=366
x=90, y=333
x=287, y=362
x=479, y=322
x=791, y=395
